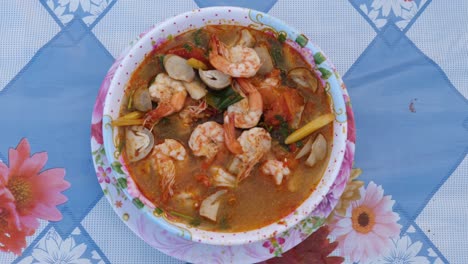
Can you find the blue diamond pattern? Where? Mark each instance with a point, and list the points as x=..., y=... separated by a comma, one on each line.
x=51, y=247
x=383, y=12
x=410, y=117
x=89, y=11
x=55, y=113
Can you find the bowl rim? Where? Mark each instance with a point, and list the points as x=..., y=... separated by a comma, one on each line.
x=235, y=238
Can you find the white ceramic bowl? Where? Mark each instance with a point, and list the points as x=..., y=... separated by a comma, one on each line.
x=234, y=16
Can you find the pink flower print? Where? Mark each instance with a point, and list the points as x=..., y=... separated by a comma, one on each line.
x=103, y=175
x=27, y=194
x=367, y=229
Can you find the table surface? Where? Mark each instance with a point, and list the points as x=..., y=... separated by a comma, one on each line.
x=405, y=64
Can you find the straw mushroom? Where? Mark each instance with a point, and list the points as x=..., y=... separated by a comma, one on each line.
x=139, y=142
x=215, y=79
x=178, y=68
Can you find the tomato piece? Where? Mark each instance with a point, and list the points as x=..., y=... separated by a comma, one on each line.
x=203, y=179
x=269, y=96
x=292, y=163
x=278, y=108
x=295, y=105
x=292, y=147
x=192, y=52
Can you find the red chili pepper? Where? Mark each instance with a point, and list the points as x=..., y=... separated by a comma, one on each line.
x=203, y=179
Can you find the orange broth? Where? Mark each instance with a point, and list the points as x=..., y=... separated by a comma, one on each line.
x=257, y=201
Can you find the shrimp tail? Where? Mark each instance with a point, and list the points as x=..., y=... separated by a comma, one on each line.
x=152, y=117
x=218, y=54
x=245, y=85
x=214, y=44
x=217, y=47
x=229, y=135
x=245, y=173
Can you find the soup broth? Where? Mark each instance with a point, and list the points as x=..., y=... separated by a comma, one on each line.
x=231, y=184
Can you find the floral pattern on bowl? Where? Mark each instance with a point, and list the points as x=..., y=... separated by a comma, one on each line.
x=120, y=73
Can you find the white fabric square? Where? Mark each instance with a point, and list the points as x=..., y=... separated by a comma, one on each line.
x=441, y=32
x=127, y=19
x=444, y=220
x=117, y=241
x=28, y=27
x=335, y=26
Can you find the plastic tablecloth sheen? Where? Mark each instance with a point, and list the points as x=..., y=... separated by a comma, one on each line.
x=405, y=65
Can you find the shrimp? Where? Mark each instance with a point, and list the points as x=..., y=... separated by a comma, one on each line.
x=275, y=168
x=271, y=81
x=230, y=134
x=236, y=61
x=206, y=138
x=268, y=88
x=165, y=154
x=247, y=112
x=170, y=95
x=255, y=142
x=193, y=112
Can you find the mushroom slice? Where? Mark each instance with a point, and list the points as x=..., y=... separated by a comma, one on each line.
x=246, y=38
x=187, y=199
x=265, y=58
x=139, y=142
x=222, y=178
x=210, y=206
x=142, y=100
x=304, y=78
x=305, y=149
x=196, y=89
x=178, y=68
x=318, y=151
x=215, y=79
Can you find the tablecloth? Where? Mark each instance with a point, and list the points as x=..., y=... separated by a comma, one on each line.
x=404, y=62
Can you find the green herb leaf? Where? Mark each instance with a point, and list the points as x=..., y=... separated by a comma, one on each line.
x=165, y=121
x=319, y=58
x=187, y=47
x=325, y=73
x=221, y=100
x=277, y=56
x=161, y=61
x=117, y=167
x=181, y=215
x=200, y=38
x=279, y=118
x=195, y=222
x=265, y=126
x=122, y=183
x=299, y=144
x=138, y=203
x=281, y=132
x=223, y=223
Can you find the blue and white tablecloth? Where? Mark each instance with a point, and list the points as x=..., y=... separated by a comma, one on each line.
x=404, y=62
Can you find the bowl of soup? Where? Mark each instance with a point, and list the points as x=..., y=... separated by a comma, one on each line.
x=225, y=125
